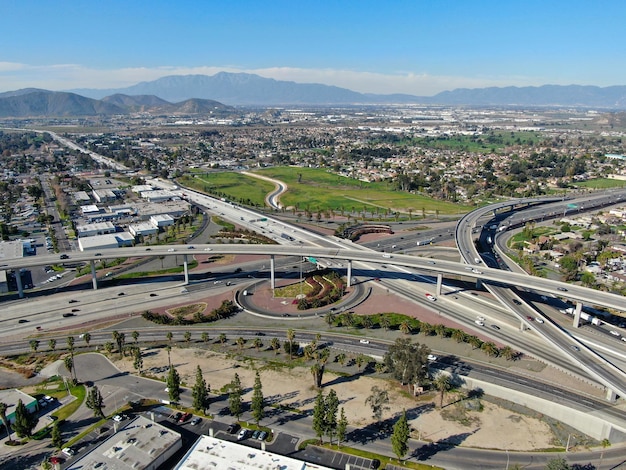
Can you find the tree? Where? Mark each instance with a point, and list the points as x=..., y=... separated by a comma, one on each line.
x=490, y=349
x=204, y=337
x=400, y=436
x=168, y=349
x=87, y=338
x=275, y=345
x=342, y=427
x=258, y=401
x=169, y=336
x=257, y=343
x=187, y=337
x=95, y=402
x=34, y=345
x=407, y=361
x=108, y=347
x=52, y=343
x=25, y=421
x=235, y=397
x=291, y=335
x=72, y=368
x=3, y=417
x=378, y=401
x=137, y=359
x=443, y=384
x=317, y=370
x=240, y=342
x=57, y=439
x=69, y=365
x=319, y=414
x=384, y=322
x=331, y=406
x=135, y=336
x=120, y=340
x=222, y=338
x=173, y=384
x=200, y=392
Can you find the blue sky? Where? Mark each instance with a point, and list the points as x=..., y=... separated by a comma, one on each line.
x=419, y=47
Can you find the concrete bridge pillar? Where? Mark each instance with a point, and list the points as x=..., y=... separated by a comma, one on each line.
x=577, y=310
x=20, y=287
x=186, y=269
x=94, y=279
x=611, y=396
x=439, y=282
x=272, y=273
x=349, y=273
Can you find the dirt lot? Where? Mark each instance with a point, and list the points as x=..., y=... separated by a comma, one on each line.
x=493, y=427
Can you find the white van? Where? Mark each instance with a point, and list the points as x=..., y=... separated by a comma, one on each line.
x=245, y=292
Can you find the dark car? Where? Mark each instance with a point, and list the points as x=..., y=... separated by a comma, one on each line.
x=98, y=254
x=65, y=315
x=64, y=256
x=184, y=418
x=177, y=416
x=262, y=436
x=255, y=434
x=233, y=428
x=153, y=294
x=375, y=463
x=495, y=327
x=72, y=301
x=121, y=293
x=259, y=333
x=562, y=289
x=22, y=320
x=517, y=302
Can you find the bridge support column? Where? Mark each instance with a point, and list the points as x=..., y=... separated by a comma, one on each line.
x=439, y=282
x=611, y=396
x=186, y=269
x=479, y=284
x=94, y=278
x=577, y=311
x=20, y=287
x=349, y=273
x=272, y=273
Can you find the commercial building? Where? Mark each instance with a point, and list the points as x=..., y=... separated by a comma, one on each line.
x=108, y=241
x=98, y=228
x=210, y=452
x=139, y=445
x=12, y=396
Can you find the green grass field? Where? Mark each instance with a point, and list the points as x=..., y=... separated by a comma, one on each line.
x=319, y=190
x=602, y=183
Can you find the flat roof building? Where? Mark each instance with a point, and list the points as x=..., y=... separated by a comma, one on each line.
x=12, y=396
x=143, y=228
x=102, y=242
x=98, y=228
x=210, y=452
x=140, y=445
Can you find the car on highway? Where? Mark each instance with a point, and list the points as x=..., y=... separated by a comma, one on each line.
x=72, y=301
x=386, y=255
x=364, y=341
x=479, y=323
x=539, y=319
x=529, y=318
x=495, y=327
x=207, y=249
x=64, y=256
x=430, y=297
x=480, y=318
x=562, y=289
x=516, y=302
x=65, y=315
x=574, y=347
x=171, y=249
x=615, y=333
x=22, y=320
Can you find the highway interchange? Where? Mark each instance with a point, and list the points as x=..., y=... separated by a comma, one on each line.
x=409, y=276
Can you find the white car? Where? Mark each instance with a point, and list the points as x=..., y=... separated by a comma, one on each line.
x=207, y=249
x=171, y=249
x=480, y=318
x=69, y=451
x=432, y=357
x=430, y=297
x=614, y=333
x=386, y=255
x=364, y=341
x=479, y=323
x=118, y=418
x=538, y=320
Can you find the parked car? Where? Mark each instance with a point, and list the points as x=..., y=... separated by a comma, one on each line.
x=242, y=434
x=232, y=428
x=69, y=451
x=262, y=436
x=195, y=421
x=184, y=418
x=255, y=434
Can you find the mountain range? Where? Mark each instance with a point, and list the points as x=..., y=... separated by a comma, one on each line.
x=203, y=94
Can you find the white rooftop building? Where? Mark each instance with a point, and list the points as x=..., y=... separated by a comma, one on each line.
x=102, y=242
x=158, y=195
x=143, y=228
x=98, y=228
x=140, y=445
x=210, y=452
x=162, y=220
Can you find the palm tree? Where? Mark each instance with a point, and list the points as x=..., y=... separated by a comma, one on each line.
x=291, y=335
x=5, y=421
x=222, y=338
x=475, y=342
x=87, y=338
x=443, y=384
x=405, y=327
x=384, y=322
x=34, y=344
x=52, y=343
x=169, y=336
x=187, y=337
x=168, y=348
x=135, y=335
x=458, y=335
x=258, y=343
x=508, y=353
x=367, y=322
x=275, y=345
x=490, y=349
x=204, y=337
